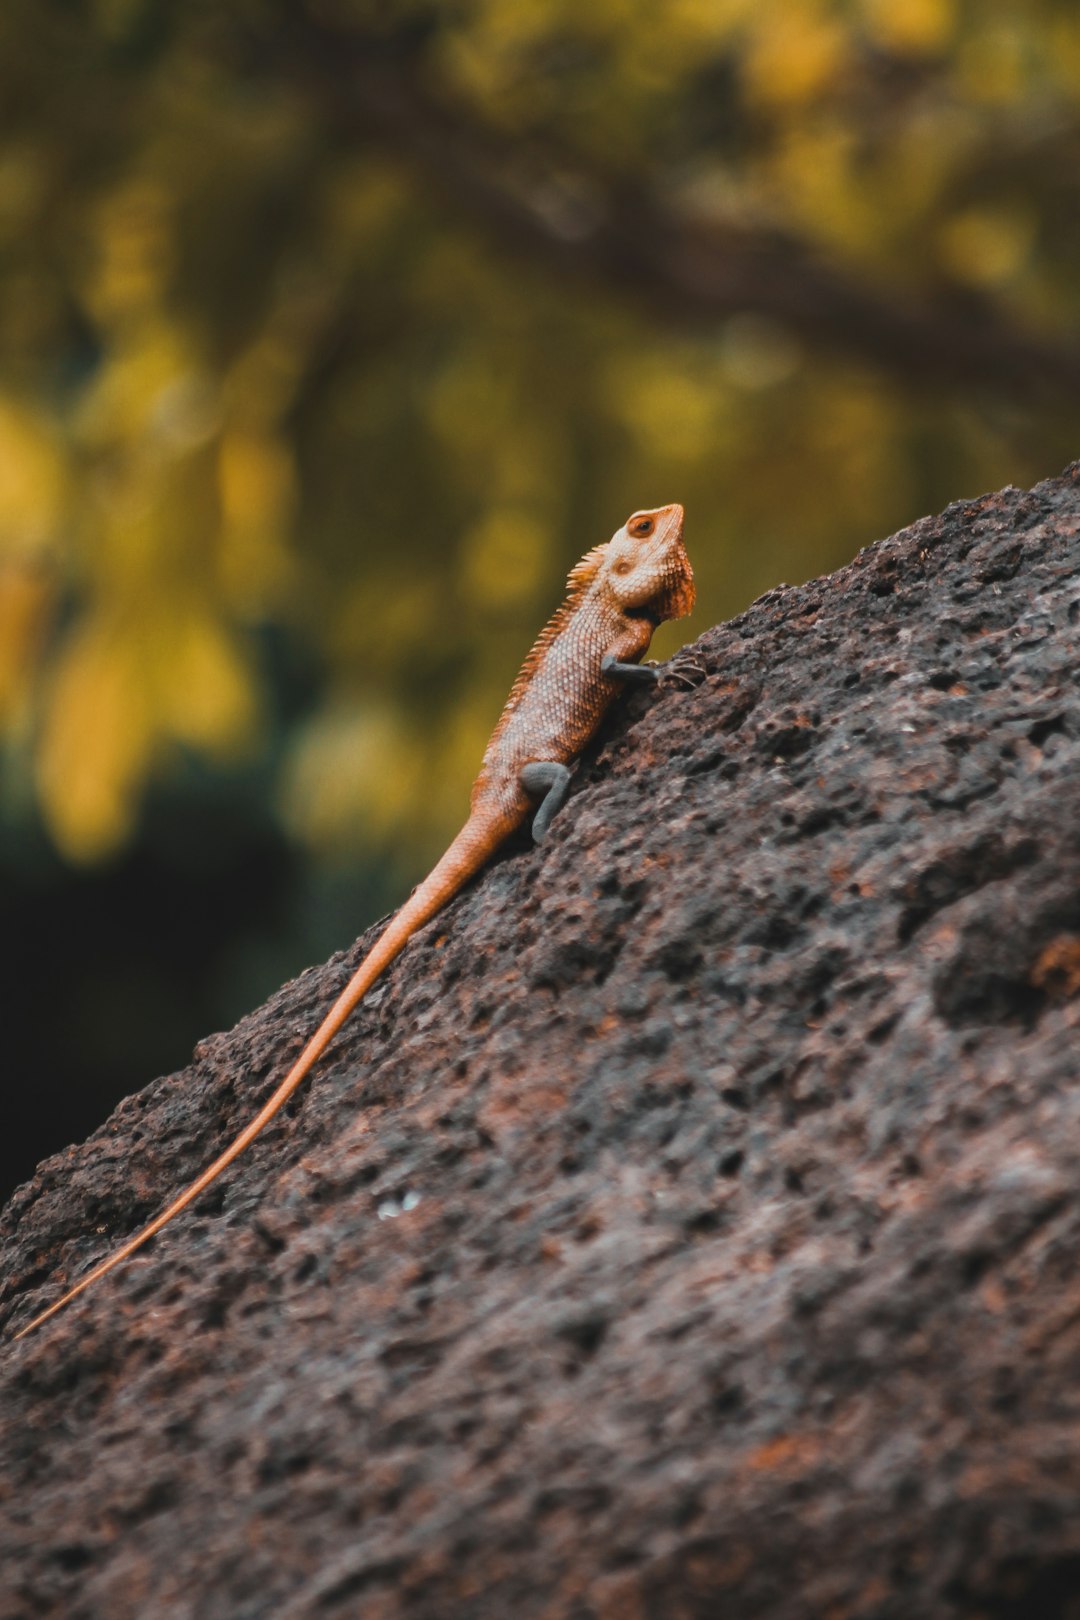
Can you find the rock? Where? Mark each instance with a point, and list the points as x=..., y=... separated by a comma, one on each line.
x=689, y=1227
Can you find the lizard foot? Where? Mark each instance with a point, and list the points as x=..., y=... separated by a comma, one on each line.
x=683, y=672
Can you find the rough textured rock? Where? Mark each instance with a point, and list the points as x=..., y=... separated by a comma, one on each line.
x=690, y=1225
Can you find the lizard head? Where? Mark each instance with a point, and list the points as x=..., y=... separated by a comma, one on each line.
x=646, y=565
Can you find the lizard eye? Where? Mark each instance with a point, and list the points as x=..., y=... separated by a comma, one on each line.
x=641, y=527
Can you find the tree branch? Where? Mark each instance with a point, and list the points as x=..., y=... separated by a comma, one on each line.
x=685, y=270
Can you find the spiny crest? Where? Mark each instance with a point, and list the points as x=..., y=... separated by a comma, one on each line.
x=578, y=581
x=584, y=572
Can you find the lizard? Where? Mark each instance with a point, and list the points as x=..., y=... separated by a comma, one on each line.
x=616, y=596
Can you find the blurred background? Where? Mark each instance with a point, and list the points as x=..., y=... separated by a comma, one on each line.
x=331, y=334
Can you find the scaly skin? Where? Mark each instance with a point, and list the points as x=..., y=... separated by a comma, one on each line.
x=618, y=593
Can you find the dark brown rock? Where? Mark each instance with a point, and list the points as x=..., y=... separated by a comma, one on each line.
x=689, y=1225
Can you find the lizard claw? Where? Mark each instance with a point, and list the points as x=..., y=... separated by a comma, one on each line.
x=683, y=672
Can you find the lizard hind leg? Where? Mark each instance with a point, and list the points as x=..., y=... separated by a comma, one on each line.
x=548, y=777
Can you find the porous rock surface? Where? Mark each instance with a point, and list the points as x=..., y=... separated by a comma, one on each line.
x=689, y=1225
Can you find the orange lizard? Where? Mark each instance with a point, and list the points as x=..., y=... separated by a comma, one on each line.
x=617, y=594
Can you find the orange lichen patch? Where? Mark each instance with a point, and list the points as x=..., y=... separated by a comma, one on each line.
x=617, y=1597
x=708, y=1570
x=915, y=778
x=1061, y=1323
x=1057, y=971
x=520, y=1104
x=909, y=1195
x=983, y=1477
x=875, y=1591
x=992, y=1297
x=790, y=1452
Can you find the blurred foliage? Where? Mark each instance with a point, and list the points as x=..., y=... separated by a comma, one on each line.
x=272, y=354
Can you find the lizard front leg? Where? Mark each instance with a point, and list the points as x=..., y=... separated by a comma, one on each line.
x=548, y=777
x=685, y=669
x=632, y=674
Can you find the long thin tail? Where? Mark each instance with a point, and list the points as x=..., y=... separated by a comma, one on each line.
x=476, y=841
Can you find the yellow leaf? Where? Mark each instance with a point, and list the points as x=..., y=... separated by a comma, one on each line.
x=987, y=246
x=505, y=557
x=134, y=251
x=911, y=26
x=259, y=493
x=354, y=775
x=31, y=482
x=795, y=52
x=205, y=684
x=95, y=747
x=991, y=64
x=675, y=410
